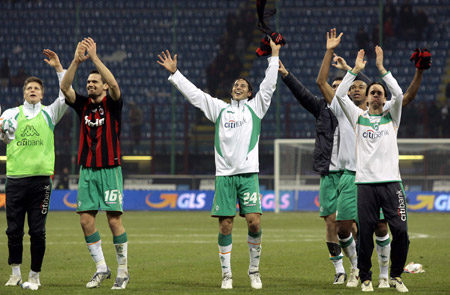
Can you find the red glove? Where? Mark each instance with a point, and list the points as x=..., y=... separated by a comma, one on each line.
x=278, y=39
x=421, y=58
x=264, y=48
x=425, y=59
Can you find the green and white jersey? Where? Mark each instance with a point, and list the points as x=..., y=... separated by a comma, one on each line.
x=346, y=155
x=238, y=124
x=28, y=132
x=376, y=135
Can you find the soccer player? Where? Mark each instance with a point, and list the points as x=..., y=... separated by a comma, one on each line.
x=236, y=156
x=325, y=154
x=100, y=184
x=377, y=170
x=28, y=132
x=358, y=96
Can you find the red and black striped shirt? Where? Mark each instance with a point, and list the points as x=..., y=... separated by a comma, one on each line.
x=99, y=132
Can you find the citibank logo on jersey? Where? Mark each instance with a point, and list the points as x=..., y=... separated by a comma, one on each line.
x=233, y=124
x=372, y=134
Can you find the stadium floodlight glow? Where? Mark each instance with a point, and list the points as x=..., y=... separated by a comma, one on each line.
x=137, y=158
x=411, y=157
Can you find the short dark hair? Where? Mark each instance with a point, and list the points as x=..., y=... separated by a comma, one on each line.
x=250, y=88
x=33, y=79
x=339, y=78
x=377, y=83
x=96, y=72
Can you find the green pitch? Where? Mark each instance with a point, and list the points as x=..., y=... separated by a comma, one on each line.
x=176, y=253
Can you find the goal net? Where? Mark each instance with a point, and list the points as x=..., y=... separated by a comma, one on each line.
x=424, y=166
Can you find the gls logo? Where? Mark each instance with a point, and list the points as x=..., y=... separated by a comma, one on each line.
x=233, y=124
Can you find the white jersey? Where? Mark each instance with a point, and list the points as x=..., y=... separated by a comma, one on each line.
x=346, y=156
x=238, y=124
x=334, y=164
x=55, y=112
x=376, y=135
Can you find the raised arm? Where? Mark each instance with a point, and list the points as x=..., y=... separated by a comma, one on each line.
x=413, y=88
x=91, y=48
x=210, y=106
x=394, y=88
x=350, y=109
x=310, y=102
x=66, y=83
x=262, y=99
x=341, y=64
x=58, y=107
x=325, y=88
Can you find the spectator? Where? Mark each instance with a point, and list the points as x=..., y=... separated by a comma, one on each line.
x=406, y=21
x=362, y=40
x=421, y=23
x=4, y=73
x=19, y=78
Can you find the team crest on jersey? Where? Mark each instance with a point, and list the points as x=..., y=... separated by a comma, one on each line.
x=101, y=111
x=376, y=126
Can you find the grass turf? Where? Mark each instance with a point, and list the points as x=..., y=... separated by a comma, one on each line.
x=176, y=253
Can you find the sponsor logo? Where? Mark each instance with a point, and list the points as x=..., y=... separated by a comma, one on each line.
x=29, y=130
x=401, y=211
x=30, y=142
x=46, y=201
x=233, y=124
x=97, y=123
x=373, y=134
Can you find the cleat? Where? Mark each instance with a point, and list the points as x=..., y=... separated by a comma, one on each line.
x=367, y=286
x=98, y=278
x=340, y=278
x=34, y=280
x=14, y=280
x=121, y=283
x=383, y=283
x=30, y=286
x=353, y=278
x=397, y=282
x=255, y=280
x=227, y=281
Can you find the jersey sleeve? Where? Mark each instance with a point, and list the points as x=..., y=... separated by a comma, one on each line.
x=396, y=100
x=209, y=105
x=350, y=110
x=9, y=126
x=261, y=102
x=57, y=109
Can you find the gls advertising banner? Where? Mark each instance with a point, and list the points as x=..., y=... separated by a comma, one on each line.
x=202, y=200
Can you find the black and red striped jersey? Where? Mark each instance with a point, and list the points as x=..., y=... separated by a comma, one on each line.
x=99, y=131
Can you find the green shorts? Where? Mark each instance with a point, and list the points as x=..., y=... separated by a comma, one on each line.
x=231, y=189
x=327, y=193
x=347, y=197
x=100, y=188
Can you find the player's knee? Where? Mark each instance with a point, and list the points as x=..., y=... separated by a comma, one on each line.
x=253, y=226
x=381, y=230
x=14, y=237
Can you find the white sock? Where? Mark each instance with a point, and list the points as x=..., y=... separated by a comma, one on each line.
x=383, y=250
x=225, y=259
x=95, y=249
x=348, y=245
x=16, y=270
x=122, y=260
x=254, y=247
x=33, y=274
x=338, y=265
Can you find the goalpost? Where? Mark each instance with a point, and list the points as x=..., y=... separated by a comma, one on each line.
x=424, y=166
